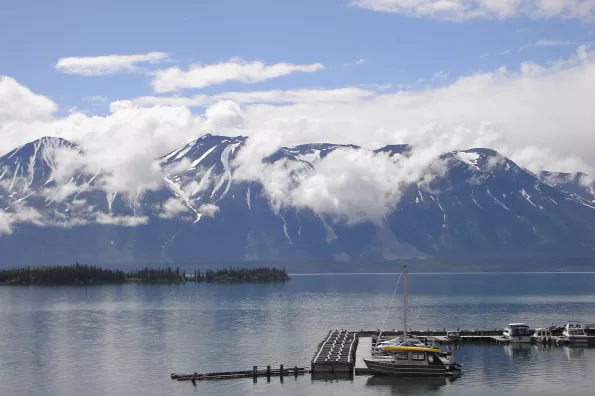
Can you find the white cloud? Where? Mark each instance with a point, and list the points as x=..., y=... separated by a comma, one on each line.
x=461, y=10
x=539, y=115
x=208, y=210
x=96, y=100
x=125, y=221
x=22, y=214
x=172, y=208
x=358, y=62
x=352, y=184
x=107, y=64
x=224, y=114
x=340, y=95
x=555, y=43
x=18, y=103
x=200, y=76
x=504, y=109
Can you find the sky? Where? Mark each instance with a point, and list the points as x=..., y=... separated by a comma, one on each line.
x=131, y=81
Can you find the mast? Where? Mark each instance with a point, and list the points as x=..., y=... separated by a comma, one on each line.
x=405, y=303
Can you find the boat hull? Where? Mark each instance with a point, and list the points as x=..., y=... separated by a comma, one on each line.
x=401, y=370
x=578, y=339
x=518, y=339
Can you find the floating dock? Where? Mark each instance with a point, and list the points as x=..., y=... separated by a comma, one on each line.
x=342, y=352
x=255, y=373
x=336, y=353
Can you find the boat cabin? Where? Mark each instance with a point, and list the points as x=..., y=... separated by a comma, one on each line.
x=574, y=328
x=417, y=355
x=542, y=334
x=518, y=330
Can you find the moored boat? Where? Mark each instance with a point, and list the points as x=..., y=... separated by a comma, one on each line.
x=380, y=347
x=542, y=335
x=517, y=333
x=575, y=332
x=406, y=360
x=453, y=336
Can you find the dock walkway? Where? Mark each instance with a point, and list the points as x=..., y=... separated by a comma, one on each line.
x=336, y=353
x=364, y=351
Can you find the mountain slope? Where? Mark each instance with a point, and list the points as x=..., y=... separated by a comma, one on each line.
x=487, y=206
x=482, y=205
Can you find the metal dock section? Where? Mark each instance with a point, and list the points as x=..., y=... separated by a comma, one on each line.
x=364, y=351
x=336, y=353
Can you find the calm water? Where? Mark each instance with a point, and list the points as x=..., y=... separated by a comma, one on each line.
x=125, y=340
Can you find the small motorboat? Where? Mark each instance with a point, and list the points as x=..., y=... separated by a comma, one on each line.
x=575, y=333
x=542, y=335
x=407, y=361
x=517, y=333
x=453, y=336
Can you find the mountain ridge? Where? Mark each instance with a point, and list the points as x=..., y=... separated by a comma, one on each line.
x=483, y=205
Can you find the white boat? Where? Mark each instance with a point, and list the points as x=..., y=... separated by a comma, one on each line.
x=542, y=335
x=575, y=332
x=453, y=336
x=412, y=361
x=517, y=333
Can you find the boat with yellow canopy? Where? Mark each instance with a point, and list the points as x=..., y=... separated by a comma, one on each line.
x=411, y=361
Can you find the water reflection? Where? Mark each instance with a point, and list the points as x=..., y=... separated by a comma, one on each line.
x=127, y=339
x=518, y=350
x=406, y=386
x=574, y=352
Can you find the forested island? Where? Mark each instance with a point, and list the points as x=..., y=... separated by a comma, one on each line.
x=82, y=274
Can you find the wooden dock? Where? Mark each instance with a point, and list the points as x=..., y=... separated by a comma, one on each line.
x=342, y=353
x=336, y=353
x=255, y=373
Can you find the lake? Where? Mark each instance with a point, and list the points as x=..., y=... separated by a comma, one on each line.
x=128, y=339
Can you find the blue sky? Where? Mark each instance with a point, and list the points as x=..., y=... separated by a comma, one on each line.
x=130, y=81
x=397, y=48
x=137, y=79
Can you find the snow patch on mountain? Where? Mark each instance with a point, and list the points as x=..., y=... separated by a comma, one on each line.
x=469, y=158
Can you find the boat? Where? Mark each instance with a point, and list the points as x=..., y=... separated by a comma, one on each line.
x=575, y=332
x=517, y=333
x=542, y=335
x=453, y=336
x=379, y=348
x=412, y=361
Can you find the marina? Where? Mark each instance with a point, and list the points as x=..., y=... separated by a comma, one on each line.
x=343, y=352
x=407, y=353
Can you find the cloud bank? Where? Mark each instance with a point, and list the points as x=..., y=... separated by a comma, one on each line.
x=107, y=64
x=462, y=10
x=236, y=69
x=539, y=115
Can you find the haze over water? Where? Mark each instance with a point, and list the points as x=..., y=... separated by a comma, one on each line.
x=127, y=339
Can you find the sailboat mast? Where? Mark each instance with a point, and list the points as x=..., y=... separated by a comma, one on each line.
x=405, y=303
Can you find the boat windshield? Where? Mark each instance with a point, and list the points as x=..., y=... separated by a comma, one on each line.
x=575, y=331
x=519, y=331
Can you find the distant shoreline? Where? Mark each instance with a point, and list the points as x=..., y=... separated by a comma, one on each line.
x=445, y=273
x=78, y=274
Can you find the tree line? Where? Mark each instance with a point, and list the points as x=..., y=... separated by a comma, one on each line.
x=80, y=274
x=262, y=274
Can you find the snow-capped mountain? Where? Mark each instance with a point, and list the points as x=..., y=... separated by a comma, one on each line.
x=579, y=184
x=481, y=204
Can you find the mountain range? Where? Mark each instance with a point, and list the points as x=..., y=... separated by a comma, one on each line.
x=480, y=205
